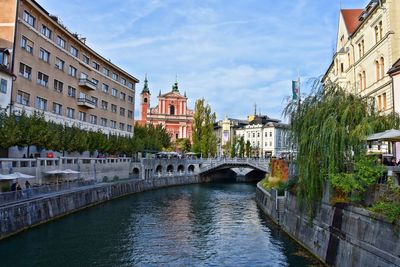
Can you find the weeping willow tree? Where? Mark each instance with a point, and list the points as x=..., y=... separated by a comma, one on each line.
x=329, y=130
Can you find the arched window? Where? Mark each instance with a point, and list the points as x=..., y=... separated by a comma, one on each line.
x=360, y=80
x=382, y=67
x=172, y=110
x=380, y=30
x=364, y=80
x=377, y=70
x=145, y=100
x=376, y=34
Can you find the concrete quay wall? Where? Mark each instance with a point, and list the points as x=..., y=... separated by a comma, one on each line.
x=338, y=235
x=18, y=217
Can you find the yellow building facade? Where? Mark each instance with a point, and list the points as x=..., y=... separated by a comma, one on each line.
x=368, y=44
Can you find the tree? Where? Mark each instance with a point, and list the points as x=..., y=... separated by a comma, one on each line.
x=233, y=148
x=248, y=149
x=329, y=130
x=204, y=140
x=241, y=147
x=183, y=144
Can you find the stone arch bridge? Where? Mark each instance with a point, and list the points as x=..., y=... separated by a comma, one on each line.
x=208, y=169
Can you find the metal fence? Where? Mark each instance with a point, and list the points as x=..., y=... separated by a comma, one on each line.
x=38, y=191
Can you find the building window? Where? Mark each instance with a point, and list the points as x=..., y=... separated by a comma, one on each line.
x=122, y=112
x=58, y=86
x=115, y=76
x=113, y=108
x=104, y=122
x=3, y=58
x=362, y=81
x=70, y=113
x=72, y=71
x=84, y=76
x=381, y=67
x=26, y=44
x=94, y=81
x=172, y=110
x=122, y=126
x=93, y=119
x=28, y=18
x=104, y=88
x=384, y=101
x=341, y=67
x=361, y=48
x=57, y=108
x=82, y=116
x=129, y=128
x=106, y=72
x=3, y=86
x=122, y=96
x=104, y=105
x=380, y=30
x=25, y=71
x=130, y=99
x=96, y=65
x=46, y=31
x=42, y=79
x=85, y=59
x=130, y=85
x=44, y=55
x=73, y=51
x=71, y=91
x=130, y=114
x=123, y=81
x=114, y=92
x=59, y=64
x=60, y=41
x=113, y=124
x=23, y=98
x=270, y=134
x=41, y=103
x=95, y=100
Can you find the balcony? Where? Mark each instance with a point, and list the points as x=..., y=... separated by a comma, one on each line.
x=88, y=84
x=84, y=102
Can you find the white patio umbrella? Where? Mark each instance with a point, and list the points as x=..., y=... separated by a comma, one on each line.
x=391, y=135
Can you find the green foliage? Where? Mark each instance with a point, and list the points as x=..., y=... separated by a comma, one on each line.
x=389, y=203
x=24, y=130
x=183, y=144
x=115, y=178
x=329, y=130
x=204, y=140
x=233, y=148
x=105, y=179
x=248, y=149
x=241, y=147
x=391, y=210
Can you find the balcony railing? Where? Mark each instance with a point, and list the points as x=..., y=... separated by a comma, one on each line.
x=87, y=83
x=86, y=103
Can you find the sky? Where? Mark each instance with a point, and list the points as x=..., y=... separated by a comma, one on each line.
x=232, y=53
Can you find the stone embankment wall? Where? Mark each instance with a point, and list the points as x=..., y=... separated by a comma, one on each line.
x=338, y=235
x=17, y=217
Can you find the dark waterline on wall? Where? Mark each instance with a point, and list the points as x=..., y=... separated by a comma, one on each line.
x=216, y=224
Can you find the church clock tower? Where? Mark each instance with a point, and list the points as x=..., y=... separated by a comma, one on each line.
x=144, y=101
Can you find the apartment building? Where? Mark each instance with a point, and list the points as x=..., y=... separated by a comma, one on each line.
x=6, y=78
x=368, y=44
x=268, y=137
x=225, y=131
x=58, y=74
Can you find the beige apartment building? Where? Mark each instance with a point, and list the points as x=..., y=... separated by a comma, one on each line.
x=57, y=73
x=368, y=44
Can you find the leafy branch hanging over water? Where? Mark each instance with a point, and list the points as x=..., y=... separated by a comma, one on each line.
x=329, y=130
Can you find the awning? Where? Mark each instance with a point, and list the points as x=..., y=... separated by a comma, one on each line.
x=15, y=175
x=67, y=171
x=389, y=135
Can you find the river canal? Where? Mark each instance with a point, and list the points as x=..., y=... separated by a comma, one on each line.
x=216, y=224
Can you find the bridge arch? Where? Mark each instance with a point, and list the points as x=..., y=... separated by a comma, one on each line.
x=191, y=168
x=170, y=168
x=181, y=168
x=135, y=171
x=159, y=169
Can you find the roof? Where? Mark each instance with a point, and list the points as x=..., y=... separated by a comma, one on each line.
x=351, y=19
x=395, y=67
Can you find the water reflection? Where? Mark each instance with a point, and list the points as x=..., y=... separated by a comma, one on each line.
x=196, y=225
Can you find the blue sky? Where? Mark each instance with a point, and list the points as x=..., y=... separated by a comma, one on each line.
x=234, y=53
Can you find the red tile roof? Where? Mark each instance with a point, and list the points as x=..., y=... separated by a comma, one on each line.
x=350, y=17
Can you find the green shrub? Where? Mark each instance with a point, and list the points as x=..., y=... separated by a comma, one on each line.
x=115, y=178
x=391, y=210
x=5, y=188
x=105, y=179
